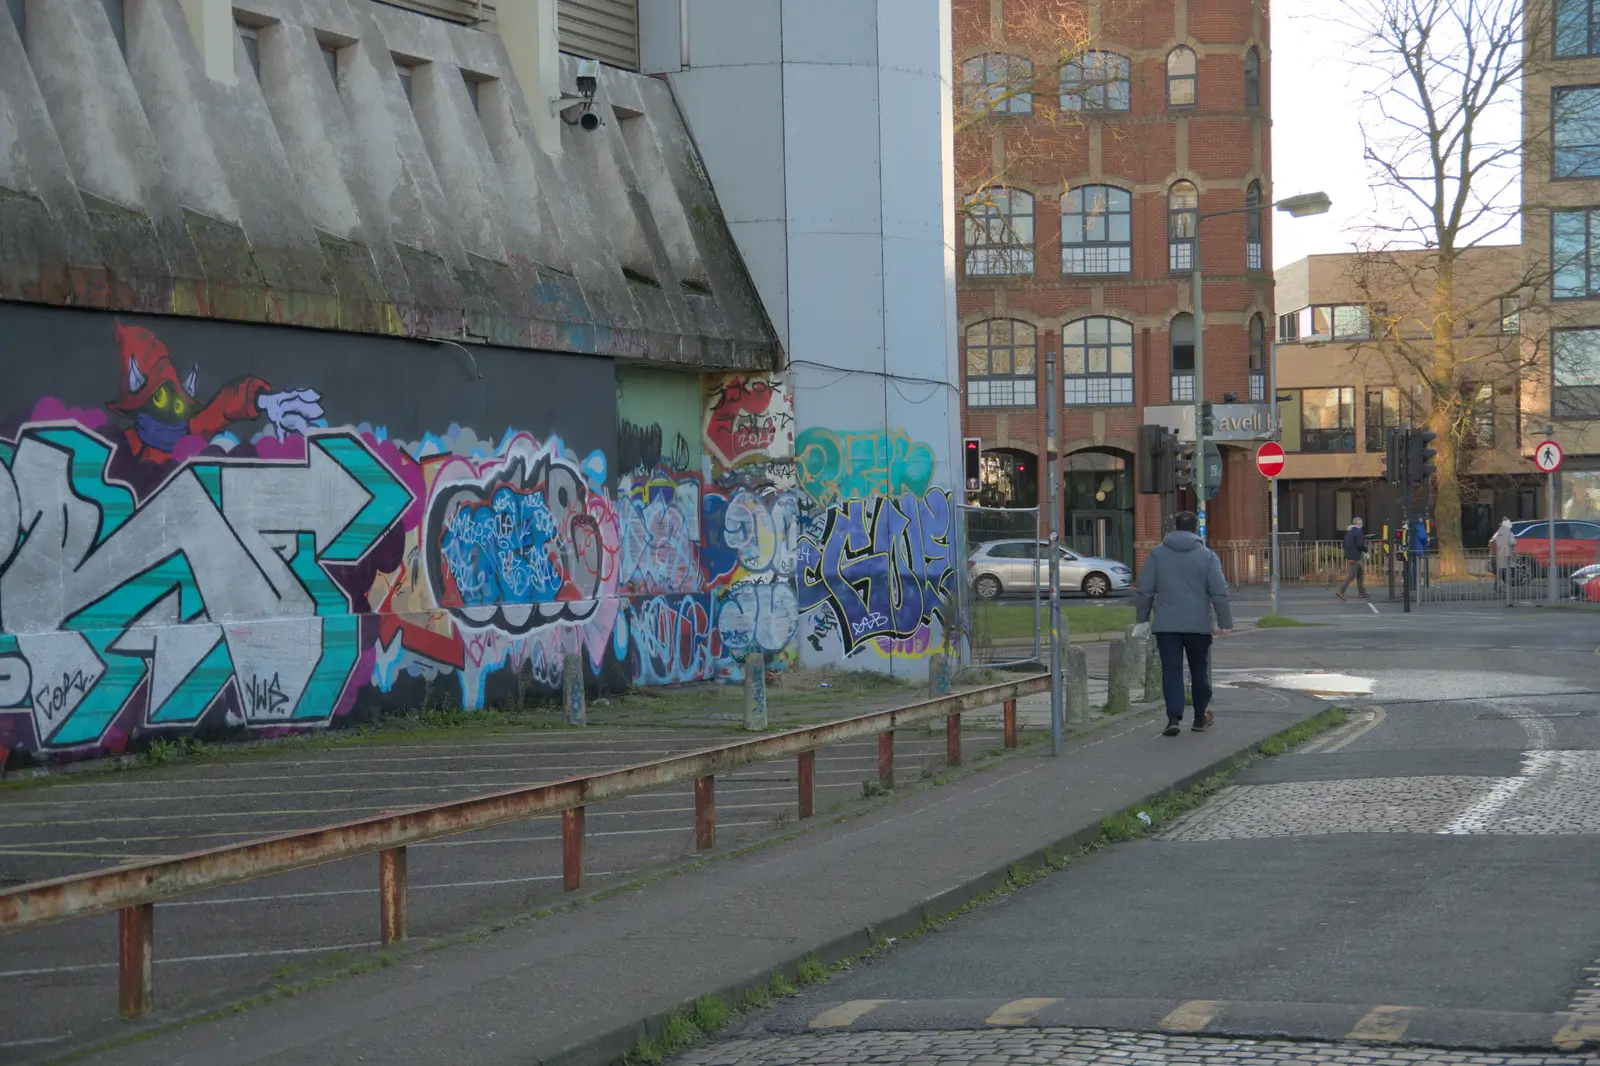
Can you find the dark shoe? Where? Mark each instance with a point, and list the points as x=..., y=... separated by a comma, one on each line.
x=1365, y=596
x=1202, y=723
x=1173, y=727
x=1339, y=594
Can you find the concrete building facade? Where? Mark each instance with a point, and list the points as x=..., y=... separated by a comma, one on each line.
x=1560, y=202
x=1342, y=388
x=372, y=354
x=1093, y=136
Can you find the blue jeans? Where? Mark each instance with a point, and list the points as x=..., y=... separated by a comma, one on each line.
x=1173, y=647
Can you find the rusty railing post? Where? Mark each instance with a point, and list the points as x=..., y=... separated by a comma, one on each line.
x=705, y=813
x=136, y=927
x=574, y=849
x=808, y=783
x=886, y=759
x=1011, y=723
x=952, y=740
x=392, y=895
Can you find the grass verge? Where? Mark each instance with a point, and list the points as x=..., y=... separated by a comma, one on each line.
x=1014, y=623
x=1282, y=621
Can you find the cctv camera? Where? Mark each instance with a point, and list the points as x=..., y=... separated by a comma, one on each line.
x=589, y=77
x=589, y=121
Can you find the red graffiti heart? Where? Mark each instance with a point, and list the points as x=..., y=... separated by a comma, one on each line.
x=738, y=423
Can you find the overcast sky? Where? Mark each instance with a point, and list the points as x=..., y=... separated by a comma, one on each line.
x=1317, y=144
x=1316, y=134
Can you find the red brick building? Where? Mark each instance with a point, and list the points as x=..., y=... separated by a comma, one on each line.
x=1088, y=140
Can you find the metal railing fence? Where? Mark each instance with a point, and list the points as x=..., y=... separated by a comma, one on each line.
x=132, y=890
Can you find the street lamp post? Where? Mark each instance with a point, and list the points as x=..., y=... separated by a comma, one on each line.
x=1313, y=203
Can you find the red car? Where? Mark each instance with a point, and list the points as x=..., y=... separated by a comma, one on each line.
x=1577, y=545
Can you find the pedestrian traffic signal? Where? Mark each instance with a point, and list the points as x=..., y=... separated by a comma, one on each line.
x=1152, y=444
x=972, y=450
x=1183, y=467
x=1208, y=419
x=1420, y=465
x=1394, y=456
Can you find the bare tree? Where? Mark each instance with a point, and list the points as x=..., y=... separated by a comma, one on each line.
x=1445, y=145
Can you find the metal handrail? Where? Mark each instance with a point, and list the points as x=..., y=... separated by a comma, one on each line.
x=133, y=889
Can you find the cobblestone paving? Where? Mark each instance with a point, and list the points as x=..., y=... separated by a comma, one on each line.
x=1558, y=792
x=1083, y=1047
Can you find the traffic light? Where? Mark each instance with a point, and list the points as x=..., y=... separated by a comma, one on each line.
x=1184, y=467
x=1208, y=419
x=1419, y=457
x=1152, y=451
x=1395, y=451
x=972, y=449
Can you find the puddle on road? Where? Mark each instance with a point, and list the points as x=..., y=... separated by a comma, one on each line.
x=1323, y=685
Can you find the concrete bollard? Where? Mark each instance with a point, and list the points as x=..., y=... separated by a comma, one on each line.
x=755, y=691
x=1075, y=684
x=572, y=690
x=939, y=675
x=1152, y=670
x=1118, y=698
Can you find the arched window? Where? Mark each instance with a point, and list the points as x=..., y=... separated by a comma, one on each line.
x=998, y=231
x=1181, y=335
x=1096, y=81
x=1258, y=359
x=997, y=84
x=1097, y=362
x=1181, y=90
x=1097, y=230
x=1252, y=78
x=1001, y=358
x=1183, y=218
x=1252, y=227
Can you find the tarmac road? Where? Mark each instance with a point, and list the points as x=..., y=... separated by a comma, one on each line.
x=1426, y=874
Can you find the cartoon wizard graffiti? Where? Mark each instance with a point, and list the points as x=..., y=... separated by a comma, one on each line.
x=165, y=409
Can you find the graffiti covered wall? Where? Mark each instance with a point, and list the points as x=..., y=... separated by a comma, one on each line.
x=233, y=528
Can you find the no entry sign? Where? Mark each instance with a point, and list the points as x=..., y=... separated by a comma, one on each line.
x=1269, y=459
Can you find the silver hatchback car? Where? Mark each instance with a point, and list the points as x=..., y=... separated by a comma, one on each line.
x=1003, y=566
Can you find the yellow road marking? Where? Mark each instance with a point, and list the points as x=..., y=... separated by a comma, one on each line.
x=1192, y=1016
x=1019, y=1011
x=1581, y=1029
x=846, y=1014
x=1387, y=1024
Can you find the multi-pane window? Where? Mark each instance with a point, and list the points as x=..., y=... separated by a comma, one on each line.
x=1002, y=355
x=1575, y=354
x=1328, y=420
x=1577, y=132
x=1383, y=414
x=1288, y=328
x=1252, y=78
x=1097, y=230
x=1097, y=362
x=1258, y=359
x=1252, y=226
x=1096, y=81
x=1181, y=77
x=998, y=230
x=998, y=84
x=1511, y=314
x=1477, y=415
x=1183, y=219
x=1181, y=339
x=1574, y=253
x=1341, y=322
x=1577, y=28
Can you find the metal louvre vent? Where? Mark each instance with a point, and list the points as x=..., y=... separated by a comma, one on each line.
x=607, y=30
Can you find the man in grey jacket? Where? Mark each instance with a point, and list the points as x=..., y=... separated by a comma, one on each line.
x=1182, y=579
